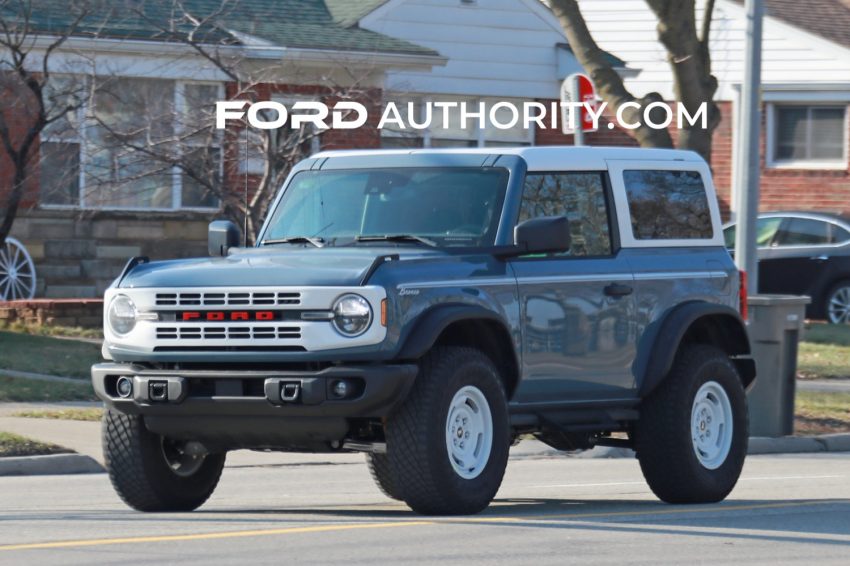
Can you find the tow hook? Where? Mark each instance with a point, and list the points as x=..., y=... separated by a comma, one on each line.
x=289, y=392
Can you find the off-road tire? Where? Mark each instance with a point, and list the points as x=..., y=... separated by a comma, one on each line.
x=416, y=435
x=663, y=440
x=140, y=474
x=379, y=467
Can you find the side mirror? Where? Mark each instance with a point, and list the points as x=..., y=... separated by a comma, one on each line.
x=546, y=234
x=221, y=236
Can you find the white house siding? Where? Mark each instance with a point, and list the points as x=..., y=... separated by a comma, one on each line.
x=627, y=28
x=501, y=48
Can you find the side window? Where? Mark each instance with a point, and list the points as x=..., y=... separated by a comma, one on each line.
x=766, y=229
x=804, y=232
x=580, y=196
x=839, y=235
x=667, y=205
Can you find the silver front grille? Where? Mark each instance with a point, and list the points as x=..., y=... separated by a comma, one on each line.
x=242, y=299
x=228, y=333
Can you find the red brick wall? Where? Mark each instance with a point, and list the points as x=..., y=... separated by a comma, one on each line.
x=17, y=118
x=827, y=190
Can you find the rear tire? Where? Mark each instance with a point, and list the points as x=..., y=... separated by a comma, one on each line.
x=448, y=444
x=144, y=476
x=691, y=439
x=836, y=306
x=379, y=467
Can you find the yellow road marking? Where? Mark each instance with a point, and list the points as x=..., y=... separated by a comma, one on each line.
x=402, y=523
x=211, y=536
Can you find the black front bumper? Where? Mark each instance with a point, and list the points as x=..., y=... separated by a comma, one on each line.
x=245, y=409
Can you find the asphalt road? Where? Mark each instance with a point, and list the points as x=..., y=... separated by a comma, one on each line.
x=549, y=511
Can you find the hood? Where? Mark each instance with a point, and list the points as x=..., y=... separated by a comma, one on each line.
x=267, y=267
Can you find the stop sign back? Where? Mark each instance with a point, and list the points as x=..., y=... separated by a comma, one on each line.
x=578, y=88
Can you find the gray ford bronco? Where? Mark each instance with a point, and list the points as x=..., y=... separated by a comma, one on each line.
x=428, y=308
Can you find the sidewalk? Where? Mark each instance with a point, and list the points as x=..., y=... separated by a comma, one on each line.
x=824, y=385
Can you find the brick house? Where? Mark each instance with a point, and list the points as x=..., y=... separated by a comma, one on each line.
x=395, y=50
x=805, y=91
x=80, y=232
x=429, y=50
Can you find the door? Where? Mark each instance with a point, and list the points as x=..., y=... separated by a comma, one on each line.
x=577, y=307
x=797, y=262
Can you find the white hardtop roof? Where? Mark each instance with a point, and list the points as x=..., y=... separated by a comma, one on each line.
x=544, y=158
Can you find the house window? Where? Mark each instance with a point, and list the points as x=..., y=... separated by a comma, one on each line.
x=61, y=142
x=100, y=155
x=423, y=111
x=807, y=136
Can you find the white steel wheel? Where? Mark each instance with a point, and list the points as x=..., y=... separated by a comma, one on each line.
x=838, y=305
x=17, y=272
x=711, y=425
x=469, y=432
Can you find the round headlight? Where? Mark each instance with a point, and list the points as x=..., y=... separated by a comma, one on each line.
x=352, y=315
x=121, y=315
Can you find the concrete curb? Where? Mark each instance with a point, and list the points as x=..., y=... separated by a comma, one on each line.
x=758, y=445
x=800, y=444
x=53, y=464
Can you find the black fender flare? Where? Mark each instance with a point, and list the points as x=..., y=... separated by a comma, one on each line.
x=427, y=329
x=675, y=325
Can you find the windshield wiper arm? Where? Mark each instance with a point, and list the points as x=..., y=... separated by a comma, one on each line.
x=318, y=242
x=397, y=238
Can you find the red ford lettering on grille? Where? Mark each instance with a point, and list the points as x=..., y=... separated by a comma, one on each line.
x=218, y=316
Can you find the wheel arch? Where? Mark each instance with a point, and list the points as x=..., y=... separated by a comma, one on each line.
x=465, y=325
x=697, y=322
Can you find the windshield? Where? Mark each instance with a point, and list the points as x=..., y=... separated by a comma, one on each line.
x=451, y=206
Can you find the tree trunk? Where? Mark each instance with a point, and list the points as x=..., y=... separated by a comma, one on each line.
x=690, y=62
x=608, y=83
x=13, y=202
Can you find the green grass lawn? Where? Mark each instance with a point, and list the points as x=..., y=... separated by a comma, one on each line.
x=45, y=330
x=43, y=354
x=62, y=414
x=820, y=413
x=14, y=445
x=825, y=352
x=30, y=390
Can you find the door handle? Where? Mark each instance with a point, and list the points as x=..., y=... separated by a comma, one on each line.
x=819, y=258
x=618, y=290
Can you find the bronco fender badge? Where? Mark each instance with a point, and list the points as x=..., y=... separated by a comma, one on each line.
x=407, y=291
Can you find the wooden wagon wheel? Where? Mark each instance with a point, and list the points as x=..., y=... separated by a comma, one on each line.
x=17, y=272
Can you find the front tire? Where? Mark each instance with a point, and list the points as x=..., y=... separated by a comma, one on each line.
x=448, y=443
x=379, y=468
x=151, y=473
x=691, y=439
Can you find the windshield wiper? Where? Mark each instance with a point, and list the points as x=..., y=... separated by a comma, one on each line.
x=318, y=242
x=397, y=238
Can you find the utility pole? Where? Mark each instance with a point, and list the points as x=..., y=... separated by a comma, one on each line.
x=748, y=167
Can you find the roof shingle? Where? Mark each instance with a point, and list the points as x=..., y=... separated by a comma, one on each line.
x=830, y=19
x=310, y=24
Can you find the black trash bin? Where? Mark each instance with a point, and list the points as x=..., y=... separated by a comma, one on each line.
x=775, y=324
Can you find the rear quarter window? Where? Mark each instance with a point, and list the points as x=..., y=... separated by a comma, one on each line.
x=667, y=205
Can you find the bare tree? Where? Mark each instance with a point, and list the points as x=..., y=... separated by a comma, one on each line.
x=690, y=61
x=163, y=138
x=29, y=105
